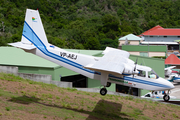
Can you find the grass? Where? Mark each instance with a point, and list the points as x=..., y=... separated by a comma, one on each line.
x=21, y=99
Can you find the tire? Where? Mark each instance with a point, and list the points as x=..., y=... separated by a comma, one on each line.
x=166, y=98
x=103, y=91
x=108, y=84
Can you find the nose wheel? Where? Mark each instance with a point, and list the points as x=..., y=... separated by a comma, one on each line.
x=103, y=91
x=166, y=98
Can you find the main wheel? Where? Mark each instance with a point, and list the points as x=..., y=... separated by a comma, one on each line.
x=166, y=98
x=103, y=91
x=108, y=84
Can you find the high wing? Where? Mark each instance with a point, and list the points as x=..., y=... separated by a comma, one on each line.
x=114, y=61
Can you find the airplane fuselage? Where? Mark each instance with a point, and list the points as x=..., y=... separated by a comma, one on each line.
x=76, y=62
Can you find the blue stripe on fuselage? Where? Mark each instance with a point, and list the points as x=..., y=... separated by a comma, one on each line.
x=140, y=81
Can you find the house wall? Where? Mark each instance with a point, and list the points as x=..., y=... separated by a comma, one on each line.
x=151, y=54
x=121, y=42
x=134, y=53
x=131, y=42
x=161, y=38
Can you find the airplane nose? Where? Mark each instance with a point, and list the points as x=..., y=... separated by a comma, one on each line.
x=171, y=86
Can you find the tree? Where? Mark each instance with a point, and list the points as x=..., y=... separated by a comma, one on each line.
x=92, y=44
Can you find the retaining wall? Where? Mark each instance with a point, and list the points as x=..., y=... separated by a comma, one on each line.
x=35, y=77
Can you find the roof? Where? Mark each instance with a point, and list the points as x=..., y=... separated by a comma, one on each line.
x=160, y=43
x=130, y=37
x=18, y=57
x=160, y=31
x=173, y=60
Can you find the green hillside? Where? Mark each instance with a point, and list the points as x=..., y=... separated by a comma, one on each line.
x=88, y=24
x=22, y=99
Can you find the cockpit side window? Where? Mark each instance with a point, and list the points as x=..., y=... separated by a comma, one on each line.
x=142, y=73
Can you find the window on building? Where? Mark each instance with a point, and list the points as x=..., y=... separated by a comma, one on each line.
x=165, y=36
x=144, y=54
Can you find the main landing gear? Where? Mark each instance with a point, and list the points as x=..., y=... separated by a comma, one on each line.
x=103, y=91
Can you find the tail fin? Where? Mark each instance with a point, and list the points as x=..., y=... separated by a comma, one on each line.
x=33, y=32
x=33, y=28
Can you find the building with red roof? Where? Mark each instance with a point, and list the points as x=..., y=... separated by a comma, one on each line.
x=172, y=60
x=162, y=36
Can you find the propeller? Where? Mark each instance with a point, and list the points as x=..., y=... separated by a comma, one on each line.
x=135, y=66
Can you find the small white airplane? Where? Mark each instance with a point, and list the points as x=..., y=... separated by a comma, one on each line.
x=172, y=76
x=168, y=70
x=156, y=94
x=114, y=67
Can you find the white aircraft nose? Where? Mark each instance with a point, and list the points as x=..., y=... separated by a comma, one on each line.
x=171, y=85
x=168, y=84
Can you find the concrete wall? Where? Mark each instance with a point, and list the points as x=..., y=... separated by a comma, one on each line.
x=40, y=70
x=45, y=79
x=9, y=69
x=35, y=77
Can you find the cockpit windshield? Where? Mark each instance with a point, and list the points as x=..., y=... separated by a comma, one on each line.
x=152, y=74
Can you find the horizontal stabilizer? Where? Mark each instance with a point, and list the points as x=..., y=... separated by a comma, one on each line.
x=22, y=45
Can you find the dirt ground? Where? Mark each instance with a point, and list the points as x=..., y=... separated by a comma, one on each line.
x=26, y=100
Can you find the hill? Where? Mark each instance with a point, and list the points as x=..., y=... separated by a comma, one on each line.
x=89, y=24
x=25, y=99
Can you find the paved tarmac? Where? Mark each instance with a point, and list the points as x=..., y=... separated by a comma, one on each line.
x=176, y=91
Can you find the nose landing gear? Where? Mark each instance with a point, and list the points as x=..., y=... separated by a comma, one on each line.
x=166, y=96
